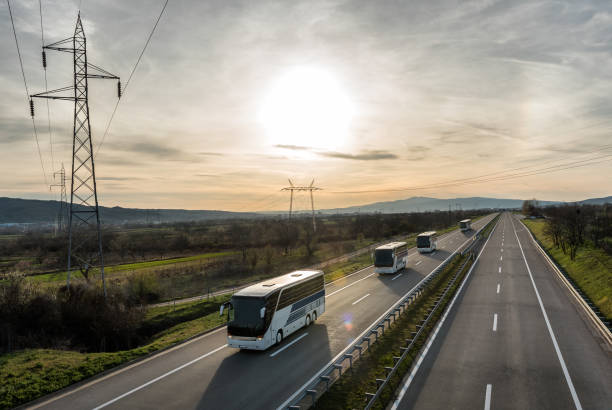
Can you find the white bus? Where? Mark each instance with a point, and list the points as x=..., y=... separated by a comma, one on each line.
x=427, y=241
x=266, y=313
x=465, y=225
x=391, y=257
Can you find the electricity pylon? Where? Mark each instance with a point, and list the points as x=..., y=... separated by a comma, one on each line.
x=63, y=198
x=310, y=188
x=84, y=234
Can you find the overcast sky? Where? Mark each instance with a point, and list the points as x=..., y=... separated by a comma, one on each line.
x=439, y=90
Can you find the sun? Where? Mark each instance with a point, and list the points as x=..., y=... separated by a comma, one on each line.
x=306, y=107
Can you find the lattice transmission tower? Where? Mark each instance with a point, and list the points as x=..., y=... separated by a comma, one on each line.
x=61, y=178
x=310, y=188
x=84, y=233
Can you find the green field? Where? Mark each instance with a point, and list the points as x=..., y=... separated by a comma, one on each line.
x=591, y=270
x=29, y=374
x=131, y=267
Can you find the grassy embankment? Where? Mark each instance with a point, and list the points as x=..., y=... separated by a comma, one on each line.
x=29, y=374
x=591, y=270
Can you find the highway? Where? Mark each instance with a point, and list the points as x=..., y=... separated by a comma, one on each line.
x=205, y=373
x=513, y=340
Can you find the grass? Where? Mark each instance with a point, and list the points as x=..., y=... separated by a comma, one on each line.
x=61, y=276
x=29, y=374
x=591, y=270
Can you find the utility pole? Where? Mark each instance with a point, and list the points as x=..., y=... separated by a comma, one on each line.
x=84, y=234
x=310, y=188
x=63, y=198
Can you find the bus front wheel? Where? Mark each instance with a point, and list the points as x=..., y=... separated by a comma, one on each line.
x=279, y=336
x=314, y=316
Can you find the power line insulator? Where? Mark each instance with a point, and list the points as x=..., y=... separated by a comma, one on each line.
x=32, y=108
x=118, y=89
x=44, y=58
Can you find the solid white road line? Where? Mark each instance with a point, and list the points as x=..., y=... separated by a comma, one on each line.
x=415, y=369
x=294, y=341
x=397, y=276
x=142, y=386
x=360, y=299
x=349, y=285
x=418, y=263
x=487, y=405
x=568, y=379
x=498, y=288
x=495, y=322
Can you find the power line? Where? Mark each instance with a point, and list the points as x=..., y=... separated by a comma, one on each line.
x=479, y=179
x=44, y=57
x=25, y=84
x=130, y=77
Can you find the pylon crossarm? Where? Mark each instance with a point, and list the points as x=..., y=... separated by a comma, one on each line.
x=50, y=94
x=61, y=45
x=101, y=73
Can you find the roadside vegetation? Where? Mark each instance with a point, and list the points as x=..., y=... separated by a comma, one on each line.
x=80, y=348
x=182, y=260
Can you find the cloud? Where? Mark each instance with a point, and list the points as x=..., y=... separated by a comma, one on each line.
x=293, y=147
x=366, y=155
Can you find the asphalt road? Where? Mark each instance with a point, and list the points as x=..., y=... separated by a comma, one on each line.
x=205, y=373
x=507, y=346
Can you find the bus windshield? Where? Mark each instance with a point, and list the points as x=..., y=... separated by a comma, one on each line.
x=383, y=257
x=423, y=241
x=247, y=316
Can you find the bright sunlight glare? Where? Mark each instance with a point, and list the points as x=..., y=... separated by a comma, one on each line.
x=307, y=108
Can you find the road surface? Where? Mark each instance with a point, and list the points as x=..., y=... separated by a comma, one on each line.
x=204, y=373
x=513, y=340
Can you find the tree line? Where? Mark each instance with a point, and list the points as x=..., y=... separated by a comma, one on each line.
x=571, y=226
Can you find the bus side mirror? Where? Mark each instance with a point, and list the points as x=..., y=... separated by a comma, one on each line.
x=226, y=305
x=262, y=312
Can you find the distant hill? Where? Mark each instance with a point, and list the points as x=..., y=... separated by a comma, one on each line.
x=421, y=204
x=15, y=210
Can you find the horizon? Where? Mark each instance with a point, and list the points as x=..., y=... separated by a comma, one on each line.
x=307, y=211
x=403, y=99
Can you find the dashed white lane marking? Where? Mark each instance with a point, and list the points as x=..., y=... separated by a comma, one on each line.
x=357, y=281
x=501, y=258
x=360, y=299
x=500, y=269
x=142, y=386
x=418, y=263
x=487, y=405
x=498, y=288
x=495, y=322
x=397, y=276
x=294, y=341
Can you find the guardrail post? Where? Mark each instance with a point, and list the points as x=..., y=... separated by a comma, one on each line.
x=326, y=379
x=350, y=357
x=339, y=368
x=313, y=395
x=366, y=338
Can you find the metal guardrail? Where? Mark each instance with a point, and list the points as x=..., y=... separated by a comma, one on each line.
x=321, y=382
